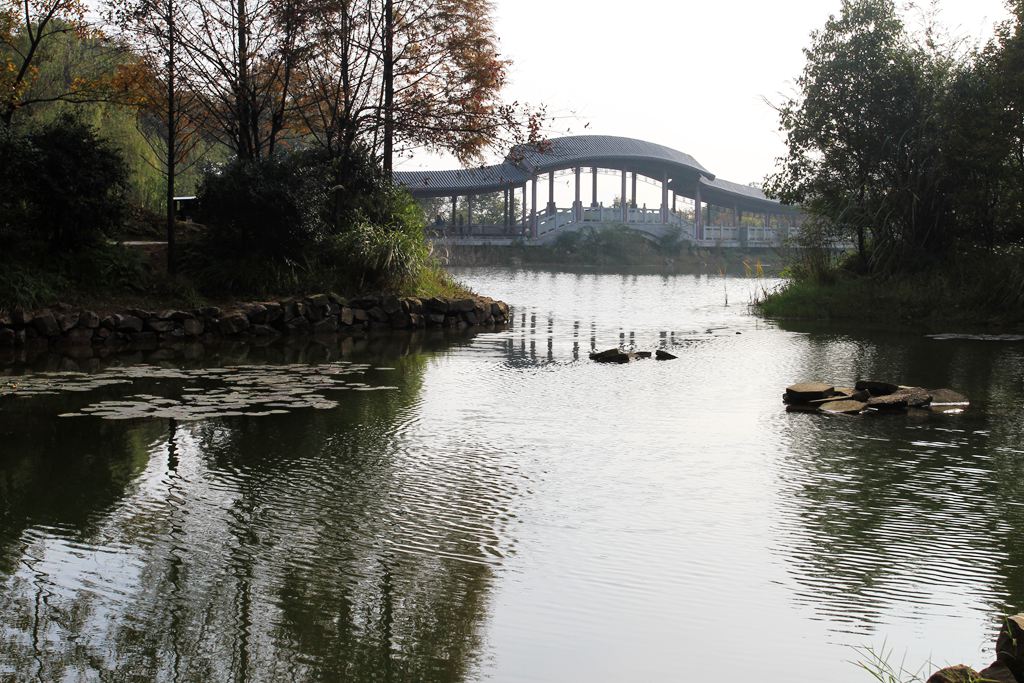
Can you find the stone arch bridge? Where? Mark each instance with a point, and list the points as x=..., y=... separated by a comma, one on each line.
x=695, y=205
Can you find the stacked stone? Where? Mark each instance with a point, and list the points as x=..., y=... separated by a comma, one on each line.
x=315, y=315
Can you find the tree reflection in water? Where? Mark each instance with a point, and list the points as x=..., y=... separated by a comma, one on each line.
x=317, y=545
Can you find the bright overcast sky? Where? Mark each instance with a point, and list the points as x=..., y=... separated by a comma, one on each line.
x=686, y=74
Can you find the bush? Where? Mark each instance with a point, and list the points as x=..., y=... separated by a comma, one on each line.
x=63, y=187
x=269, y=208
x=304, y=222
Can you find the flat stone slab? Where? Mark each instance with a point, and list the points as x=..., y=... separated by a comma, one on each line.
x=843, y=394
x=808, y=391
x=664, y=355
x=948, y=397
x=846, y=407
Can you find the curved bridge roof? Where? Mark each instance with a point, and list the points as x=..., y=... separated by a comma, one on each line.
x=647, y=158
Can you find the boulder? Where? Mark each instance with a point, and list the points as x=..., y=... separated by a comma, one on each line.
x=157, y=325
x=997, y=673
x=391, y=305
x=347, y=317
x=233, y=324
x=644, y=354
x=437, y=305
x=415, y=305
x=1010, y=646
x=435, y=318
x=377, y=315
x=612, y=356
x=7, y=337
x=954, y=674
x=67, y=321
x=664, y=355
x=193, y=327
x=128, y=323
x=360, y=315
x=264, y=331
x=463, y=305
x=807, y=392
x=20, y=317
x=256, y=313
x=45, y=324
x=89, y=320
x=876, y=388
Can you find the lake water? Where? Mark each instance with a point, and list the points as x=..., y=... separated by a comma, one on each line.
x=498, y=508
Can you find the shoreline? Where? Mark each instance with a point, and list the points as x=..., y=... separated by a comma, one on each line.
x=63, y=327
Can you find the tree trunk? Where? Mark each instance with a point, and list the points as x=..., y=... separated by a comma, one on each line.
x=172, y=132
x=389, y=87
x=245, y=147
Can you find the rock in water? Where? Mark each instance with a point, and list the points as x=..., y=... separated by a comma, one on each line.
x=948, y=397
x=664, y=355
x=890, y=403
x=877, y=388
x=643, y=354
x=846, y=407
x=808, y=391
x=611, y=356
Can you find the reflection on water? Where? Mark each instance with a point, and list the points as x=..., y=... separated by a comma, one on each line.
x=313, y=545
x=507, y=510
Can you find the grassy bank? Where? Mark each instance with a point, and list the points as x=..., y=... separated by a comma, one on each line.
x=977, y=293
x=114, y=277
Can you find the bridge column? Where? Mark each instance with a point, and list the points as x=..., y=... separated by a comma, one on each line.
x=737, y=214
x=698, y=214
x=469, y=214
x=534, y=220
x=522, y=226
x=593, y=200
x=455, y=211
x=674, y=198
x=551, y=193
x=577, y=206
x=625, y=200
x=632, y=197
x=664, y=197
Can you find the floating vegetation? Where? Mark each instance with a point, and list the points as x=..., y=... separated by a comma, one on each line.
x=249, y=390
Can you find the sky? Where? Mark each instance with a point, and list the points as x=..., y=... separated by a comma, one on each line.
x=691, y=75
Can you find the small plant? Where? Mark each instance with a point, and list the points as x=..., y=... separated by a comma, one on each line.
x=878, y=665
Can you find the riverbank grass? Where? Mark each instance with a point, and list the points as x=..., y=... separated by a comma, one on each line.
x=976, y=293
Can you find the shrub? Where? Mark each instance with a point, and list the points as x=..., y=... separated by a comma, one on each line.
x=63, y=186
x=270, y=208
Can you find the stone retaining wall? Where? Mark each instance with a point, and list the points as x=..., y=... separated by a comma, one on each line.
x=321, y=314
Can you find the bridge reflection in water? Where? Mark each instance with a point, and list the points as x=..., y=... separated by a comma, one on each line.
x=695, y=205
